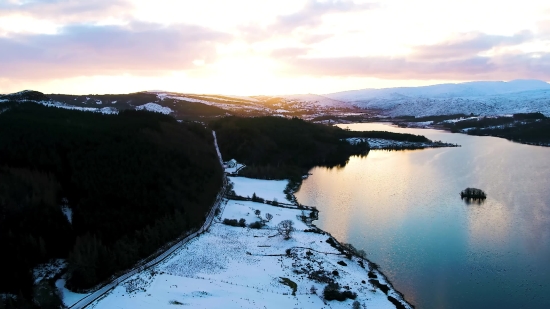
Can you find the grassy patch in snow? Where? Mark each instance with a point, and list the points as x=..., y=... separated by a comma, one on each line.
x=291, y=284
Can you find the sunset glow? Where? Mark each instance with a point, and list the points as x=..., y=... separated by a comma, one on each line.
x=267, y=47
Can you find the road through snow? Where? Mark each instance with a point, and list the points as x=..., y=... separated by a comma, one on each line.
x=84, y=302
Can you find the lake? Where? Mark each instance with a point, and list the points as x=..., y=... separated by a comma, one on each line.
x=404, y=209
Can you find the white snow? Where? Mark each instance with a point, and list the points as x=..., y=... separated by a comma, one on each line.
x=48, y=270
x=229, y=98
x=486, y=98
x=266, y=189
x=69, y=298
x=217, y=148
x=154, y=107
x=232, y=98
x=231, y=170
x=104, y=110
x=68, y=212
x=235, y=267
x=245, y=210
x=379, y=143
x=108, y=110
x=315, y=99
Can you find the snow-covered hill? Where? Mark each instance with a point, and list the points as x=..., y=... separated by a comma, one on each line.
x=313, y=99
x=488, y=98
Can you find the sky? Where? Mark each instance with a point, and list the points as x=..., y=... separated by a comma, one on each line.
x=252, y=47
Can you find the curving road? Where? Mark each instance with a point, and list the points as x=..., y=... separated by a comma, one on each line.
x=84, y=302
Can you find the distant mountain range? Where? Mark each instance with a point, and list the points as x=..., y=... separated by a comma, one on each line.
x=486, y=98
x=480, y=98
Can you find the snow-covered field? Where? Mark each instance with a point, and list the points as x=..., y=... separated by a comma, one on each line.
x=104, y=110
x=235, y=267
x=154, y=107
x=266, y=189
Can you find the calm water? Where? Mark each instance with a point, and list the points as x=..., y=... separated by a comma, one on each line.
x=404, y=209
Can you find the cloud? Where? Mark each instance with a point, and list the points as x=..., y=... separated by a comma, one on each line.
x=312, y=13
x=458, y=58
x=544, y=28
x=468, y=45
x=139, y=48
x=309, y=16
x=66, y=10
x=510, y=66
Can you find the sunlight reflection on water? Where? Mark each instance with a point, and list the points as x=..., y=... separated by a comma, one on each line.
x=403, y=208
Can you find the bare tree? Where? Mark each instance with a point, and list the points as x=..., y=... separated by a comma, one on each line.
x=313, y=290
x=257, y=212
x=268, y=217
x=285, y=228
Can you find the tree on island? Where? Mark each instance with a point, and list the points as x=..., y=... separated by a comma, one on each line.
x=473, y=193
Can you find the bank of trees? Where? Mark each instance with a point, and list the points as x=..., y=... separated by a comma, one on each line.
x=277, y=148
x=530, y=128
x=133, y=181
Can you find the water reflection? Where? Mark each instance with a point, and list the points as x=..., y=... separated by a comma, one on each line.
x=473, y=200
x=403, y=209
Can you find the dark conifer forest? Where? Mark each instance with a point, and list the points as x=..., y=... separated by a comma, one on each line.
x=134, y=181
x=277, y=148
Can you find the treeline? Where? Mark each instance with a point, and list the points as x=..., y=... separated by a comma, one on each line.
x=532, y=132
x=133, y=181
x=434, y=118
x=191, y=111
x=531, y=128
x=276, y=148
x=402, y=137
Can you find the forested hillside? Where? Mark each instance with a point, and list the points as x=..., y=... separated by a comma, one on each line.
x=275, y=147
x=133, y=181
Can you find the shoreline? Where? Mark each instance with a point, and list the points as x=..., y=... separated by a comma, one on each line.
x=296, y=205
x=371, y=264
x=224, y=265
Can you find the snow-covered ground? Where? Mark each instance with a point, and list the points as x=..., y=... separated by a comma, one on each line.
x=266, y=189
x=314, y=99
x=154, y=107
x=68, y=212
x=234, y=169
x=485, y=98
x=235, y=267
x=379, y=143
x=104, y=110
x=48, y=270
x=69, y=298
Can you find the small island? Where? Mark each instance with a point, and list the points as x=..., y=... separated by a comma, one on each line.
x=473, y=193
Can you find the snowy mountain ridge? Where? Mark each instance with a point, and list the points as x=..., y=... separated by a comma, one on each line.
x=485, y=97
